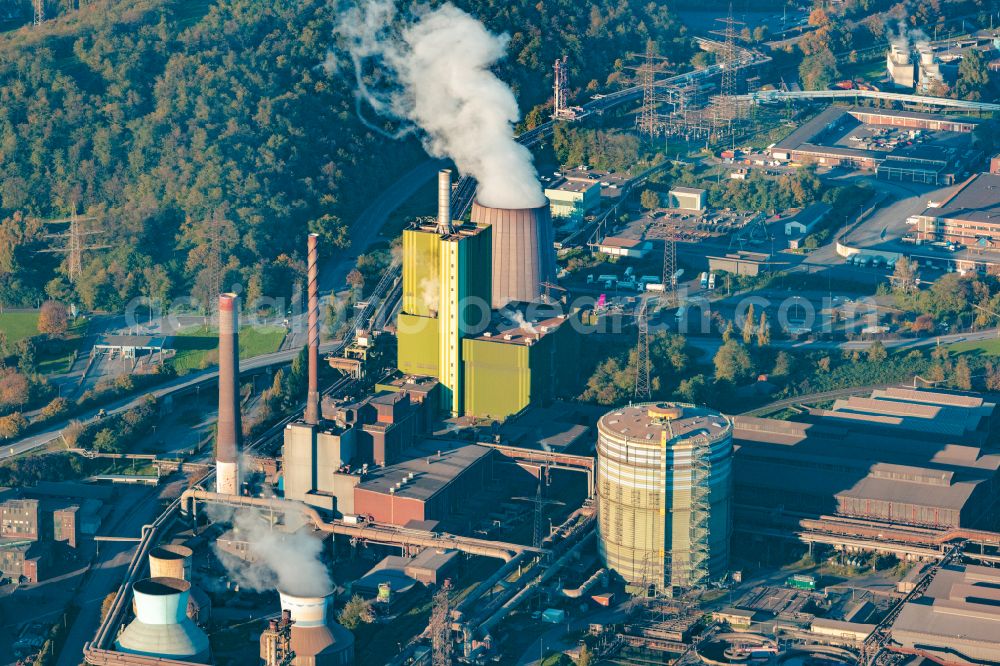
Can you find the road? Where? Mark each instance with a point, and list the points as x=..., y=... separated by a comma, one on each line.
x=185, y=383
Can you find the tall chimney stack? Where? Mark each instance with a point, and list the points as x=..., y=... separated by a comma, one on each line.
x=312, y=398
x=444, y=201
x=229, y=440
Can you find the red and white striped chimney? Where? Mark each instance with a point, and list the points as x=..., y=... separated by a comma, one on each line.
x=229, y=440
x=312, y=398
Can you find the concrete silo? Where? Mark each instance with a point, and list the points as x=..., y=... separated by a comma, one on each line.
x=161, y=627
x=664, y=494
x=523, y=256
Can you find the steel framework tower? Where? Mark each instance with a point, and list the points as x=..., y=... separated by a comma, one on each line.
x=39, y=7
x=559, y=85
x=74, y=246
x=669, y=270
x=643, y=388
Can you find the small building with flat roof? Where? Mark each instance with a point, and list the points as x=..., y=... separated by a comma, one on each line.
x=688, y=198
x=573, y=197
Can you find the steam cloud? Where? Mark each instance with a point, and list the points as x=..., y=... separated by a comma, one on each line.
x=438, y=68
x=288, y=561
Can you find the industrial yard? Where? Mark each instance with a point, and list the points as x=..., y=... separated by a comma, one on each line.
x=679, y=349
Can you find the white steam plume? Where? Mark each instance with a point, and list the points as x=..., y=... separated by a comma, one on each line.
x=438, y=63
x=286, y=560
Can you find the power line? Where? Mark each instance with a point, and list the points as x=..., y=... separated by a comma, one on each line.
x=74, y=245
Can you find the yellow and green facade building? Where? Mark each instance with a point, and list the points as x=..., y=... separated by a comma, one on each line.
x=489, y=364
x=447, y=286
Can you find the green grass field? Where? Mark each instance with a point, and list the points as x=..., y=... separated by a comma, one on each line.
x=988, y=347
x=197, y=348
x=18, y=325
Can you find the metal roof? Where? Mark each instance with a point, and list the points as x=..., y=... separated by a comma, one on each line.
x=975, y=200
x=440, y=463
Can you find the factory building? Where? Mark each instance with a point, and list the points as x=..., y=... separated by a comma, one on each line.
x=902, y=456
x=970, y=216
x=446, y=294
x=515, y=362
x=956, y=620
x=431, y=487
x=456, y=277
x=30, y=530
x=570, y=198
x=664, y=494
x=321, y=463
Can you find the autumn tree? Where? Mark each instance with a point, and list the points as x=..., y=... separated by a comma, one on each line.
x=877, y=352
x=53, y=320
x=962, y=374
x=12, y=425
x=649, y=199
x=749, y=320
x=356, y=611
x=763, y=331
x=14, y=389
x=973, y=81
x=733, y=362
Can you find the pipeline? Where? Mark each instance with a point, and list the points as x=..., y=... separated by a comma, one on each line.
x=368, y=531
x=488, y=584
x=577, y=592
x=523, y=594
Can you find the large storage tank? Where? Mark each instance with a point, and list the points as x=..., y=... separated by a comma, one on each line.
x=315, y=640
x=161, y=627
x=664, y=494
x=523, y=256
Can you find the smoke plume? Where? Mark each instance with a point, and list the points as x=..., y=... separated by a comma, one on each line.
x=436, y=77
x=286, y=560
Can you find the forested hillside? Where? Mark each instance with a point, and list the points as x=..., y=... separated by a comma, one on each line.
x=206, y=138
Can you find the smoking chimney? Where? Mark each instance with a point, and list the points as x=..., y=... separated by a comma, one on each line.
x=312, y=398
x=444, y=225
x=229, y=440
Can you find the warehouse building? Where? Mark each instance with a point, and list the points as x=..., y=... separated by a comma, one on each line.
x=970, y=216
x=956, y=620
x=903, y=456
x=430, y=487
x=897, y=145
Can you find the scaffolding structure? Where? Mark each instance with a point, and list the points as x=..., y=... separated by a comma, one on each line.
x=701, y=508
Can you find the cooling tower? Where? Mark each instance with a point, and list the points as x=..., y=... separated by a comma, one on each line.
x=161, y=627
x=170, y=562
x=315, y=641
x=230, y=430
x=523, y=257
